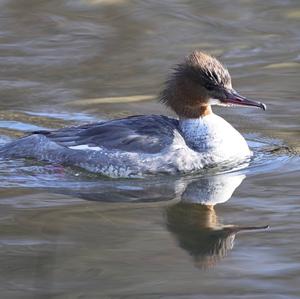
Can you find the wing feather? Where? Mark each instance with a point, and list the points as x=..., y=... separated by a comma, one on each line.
x=147, y=134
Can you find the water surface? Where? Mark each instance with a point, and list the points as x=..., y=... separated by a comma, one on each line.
x=65, y=233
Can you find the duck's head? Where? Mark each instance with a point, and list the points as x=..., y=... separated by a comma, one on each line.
x=199, y=82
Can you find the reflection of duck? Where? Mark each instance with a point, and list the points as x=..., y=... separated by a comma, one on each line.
x=189, y=208
x=195, y=224
x=212, y=190
x=198, y=231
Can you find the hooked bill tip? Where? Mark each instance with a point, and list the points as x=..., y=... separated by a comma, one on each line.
x=263, y=106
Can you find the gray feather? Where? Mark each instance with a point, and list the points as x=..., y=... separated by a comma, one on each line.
x=144, y=133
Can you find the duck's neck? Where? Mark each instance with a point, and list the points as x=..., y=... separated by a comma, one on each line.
x=205, y=110
x=197, y=131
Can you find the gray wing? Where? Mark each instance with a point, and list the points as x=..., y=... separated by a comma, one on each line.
x=144, y=133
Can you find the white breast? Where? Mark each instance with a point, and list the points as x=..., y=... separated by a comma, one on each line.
x=212, y=134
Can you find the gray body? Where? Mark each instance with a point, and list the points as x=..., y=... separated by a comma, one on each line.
x=132, y=146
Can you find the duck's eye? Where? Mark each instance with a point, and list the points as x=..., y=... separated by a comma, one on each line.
x=210, y=87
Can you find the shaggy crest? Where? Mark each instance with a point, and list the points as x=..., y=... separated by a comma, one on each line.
x=194, y=82
x=208, y=69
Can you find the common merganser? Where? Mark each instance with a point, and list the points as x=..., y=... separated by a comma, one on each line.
x=150, y=144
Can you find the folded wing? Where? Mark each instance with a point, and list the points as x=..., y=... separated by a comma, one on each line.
x=144, y=133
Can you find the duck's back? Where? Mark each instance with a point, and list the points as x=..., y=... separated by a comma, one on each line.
x=148, y=134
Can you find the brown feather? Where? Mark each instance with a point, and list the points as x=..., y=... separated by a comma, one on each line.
x=197, y=79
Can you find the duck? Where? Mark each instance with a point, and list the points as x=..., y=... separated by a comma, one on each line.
x=142, y=145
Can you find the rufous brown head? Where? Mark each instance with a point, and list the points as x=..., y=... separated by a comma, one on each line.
x=198, y=82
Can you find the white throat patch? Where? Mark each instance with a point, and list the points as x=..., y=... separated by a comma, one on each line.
x=214, y=102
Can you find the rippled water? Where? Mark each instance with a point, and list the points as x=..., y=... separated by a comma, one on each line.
x=65, y=233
